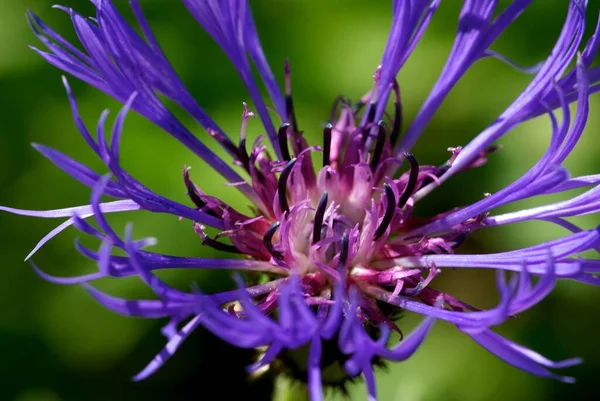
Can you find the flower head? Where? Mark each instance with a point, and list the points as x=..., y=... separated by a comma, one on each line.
x=335, y=249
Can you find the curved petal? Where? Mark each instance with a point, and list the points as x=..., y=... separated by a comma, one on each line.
x=521, y=357
x=172, y=346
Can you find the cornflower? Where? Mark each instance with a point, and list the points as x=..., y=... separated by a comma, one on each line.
x=331, y=246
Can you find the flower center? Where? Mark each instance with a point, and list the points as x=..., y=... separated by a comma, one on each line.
x=344, y=223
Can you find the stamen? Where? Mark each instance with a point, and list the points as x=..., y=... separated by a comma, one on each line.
x=389, y=211
x=242, y=154
x=219, y=246
x=207, y=241
x=194, y=195
x=397, y=126
x=438, y=173
x=412, y=179
x=191, y=188
x=282, y=185
x=334, y=109
x=289, y=102
x=357, y=107
x=268, y=241
x=418, y=288
x=327, y=144
x=370, y=117
x=378, y=145
x=344, y=250
x=223, y=140
x=229, y=146
x=283, y=141
x=318, y=221
x=458, y=241
x=241, y=151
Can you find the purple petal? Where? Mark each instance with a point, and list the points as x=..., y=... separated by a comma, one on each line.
x=409, y=21
x=476, y=32
x=54, y=232
x=270, y=355
x=120, y=266
x=150, y=309
x=370, y=381
x=521, y=357
x=78, y=171
x=334, y=313
x=146, y=198
x=408, y=346
x=77, y=118
x=172, y=346
x=86, y=210
x=563, y=53
x=119, y=73
x=467, y=320
x=44, y=33
x=66, y=280
x=315, y=388
x=228, y=22
x=526, y=70
x=97, y=192
x=160, y=288
x=255, y=315
x=534, y=257
x=83, y=211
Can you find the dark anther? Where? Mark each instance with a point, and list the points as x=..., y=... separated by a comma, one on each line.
x=491, y=150
x=230, y=146
x=397, y=126
x=344, y=250
x=440, y=171
x=327, y=144
x=291, y=115
x=268, y=241
x=336, y=104
x=378, y=145
x=357, y=107
x=389, y=211
x=318, y=221
x=371, y=115
x=460, y=239
x=283, y=141
x=243, y=156
x=282, y=185
x=412, y=179
x=194, y=195
x=219, y=246
x=289, y=101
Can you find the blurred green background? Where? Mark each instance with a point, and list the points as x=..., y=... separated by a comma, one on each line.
x=57, y=344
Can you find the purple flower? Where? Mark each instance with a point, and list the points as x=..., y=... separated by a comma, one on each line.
x=335, y=250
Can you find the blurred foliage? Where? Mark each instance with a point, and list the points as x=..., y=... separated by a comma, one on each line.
x=57, y=344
